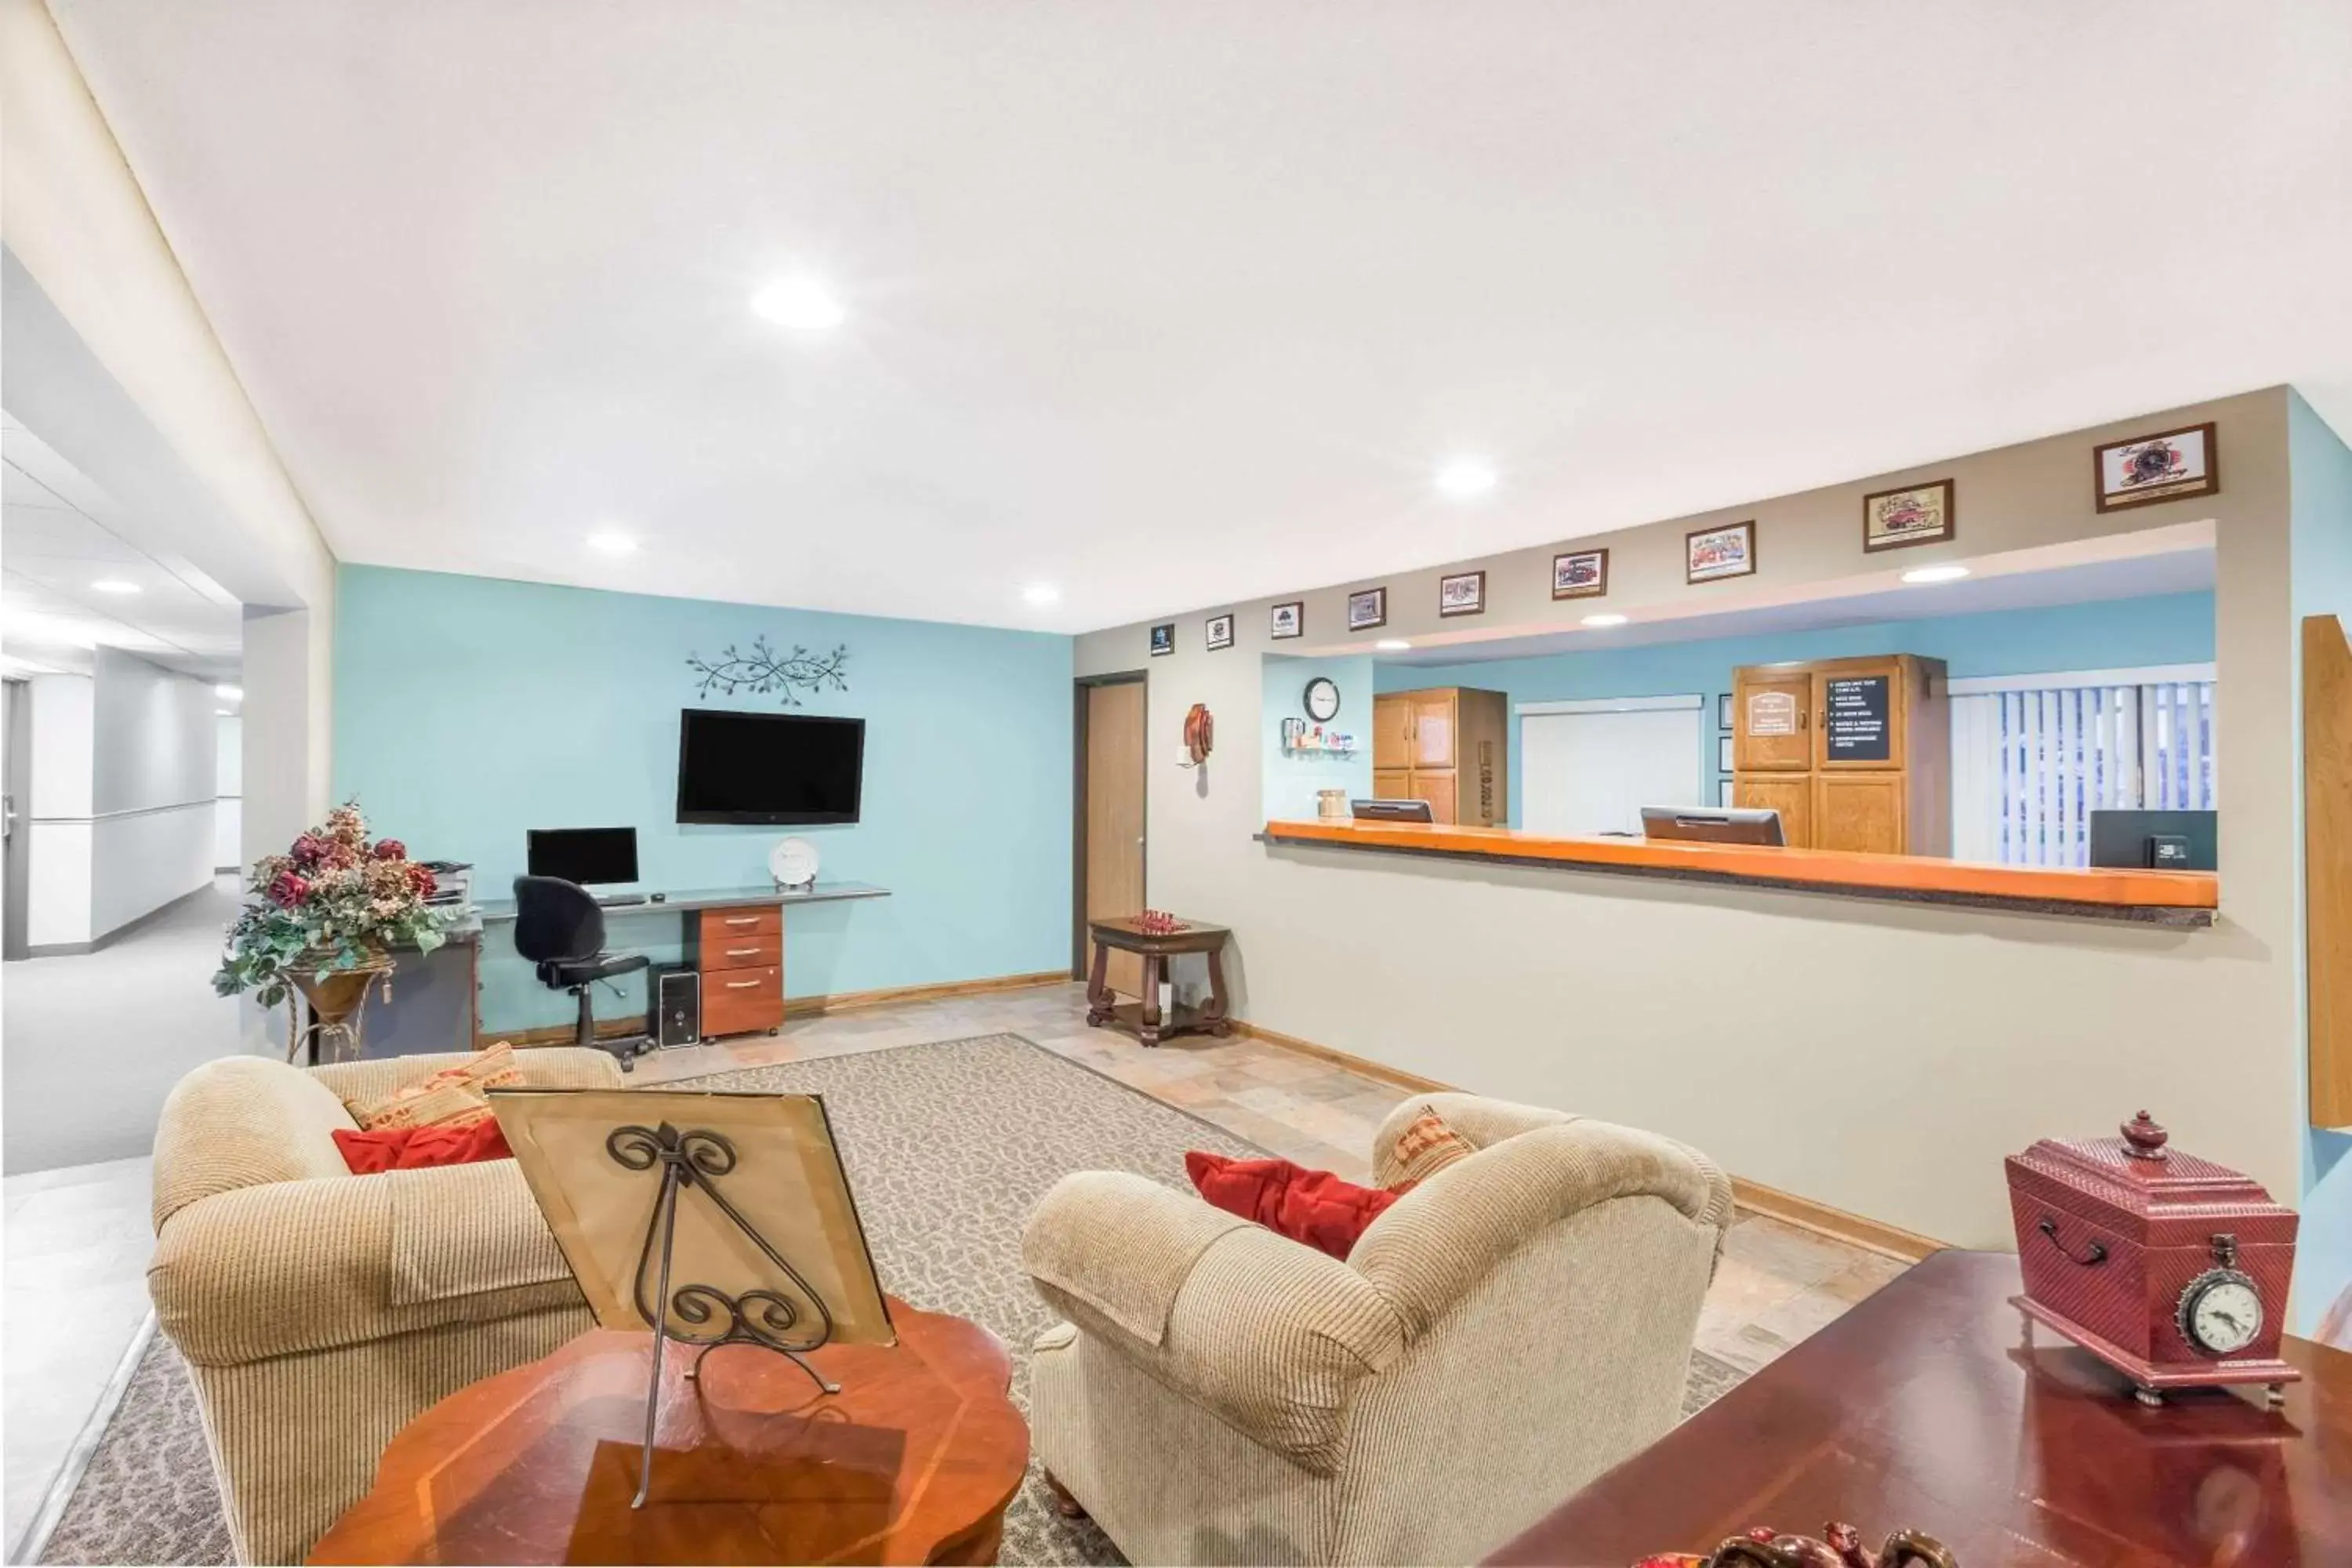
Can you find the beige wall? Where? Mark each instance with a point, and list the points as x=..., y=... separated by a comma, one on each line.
x=1875, y=1057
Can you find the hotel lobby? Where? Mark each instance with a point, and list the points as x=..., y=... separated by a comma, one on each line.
x=932, y=784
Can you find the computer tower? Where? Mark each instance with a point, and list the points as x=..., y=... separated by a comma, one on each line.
x=676, y=992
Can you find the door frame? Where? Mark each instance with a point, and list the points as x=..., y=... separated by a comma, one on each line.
x=1080, y=689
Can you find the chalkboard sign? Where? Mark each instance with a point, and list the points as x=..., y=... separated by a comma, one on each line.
x=1857, y=728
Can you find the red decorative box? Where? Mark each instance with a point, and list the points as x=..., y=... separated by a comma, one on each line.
x=2170, y=1268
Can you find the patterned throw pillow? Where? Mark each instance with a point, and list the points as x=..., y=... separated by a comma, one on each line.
x=1427, y=1146
x=452, y=1096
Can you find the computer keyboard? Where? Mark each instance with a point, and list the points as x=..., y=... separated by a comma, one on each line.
x=609, y=900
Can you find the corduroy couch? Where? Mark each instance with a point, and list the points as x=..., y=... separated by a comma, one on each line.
x=1509, y=1329
x=319, y=1311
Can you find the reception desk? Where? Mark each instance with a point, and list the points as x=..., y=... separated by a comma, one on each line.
x=2151, y=898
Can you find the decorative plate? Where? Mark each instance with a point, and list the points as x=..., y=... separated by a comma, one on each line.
x=792, y=862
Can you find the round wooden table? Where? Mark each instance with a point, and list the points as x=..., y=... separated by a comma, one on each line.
x=913, y=1461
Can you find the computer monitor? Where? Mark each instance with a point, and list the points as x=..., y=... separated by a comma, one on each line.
x=1708, y=825
x=1393, y=810
x=2156, y=840
x=584, y=855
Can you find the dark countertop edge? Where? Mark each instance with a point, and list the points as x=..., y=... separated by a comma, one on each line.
x=498, y=912
x=2167, y=916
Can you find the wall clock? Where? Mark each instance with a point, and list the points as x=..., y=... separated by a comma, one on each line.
x=1322, y=700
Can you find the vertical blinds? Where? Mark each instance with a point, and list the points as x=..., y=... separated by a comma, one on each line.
x=2031, y=759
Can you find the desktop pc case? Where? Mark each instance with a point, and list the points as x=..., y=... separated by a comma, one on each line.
x=675, y=991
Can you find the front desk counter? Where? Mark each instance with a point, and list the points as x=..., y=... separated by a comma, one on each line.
x=2146, y=898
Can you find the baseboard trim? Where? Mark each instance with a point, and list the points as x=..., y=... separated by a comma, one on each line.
x=1854, y=1230
x=795, y=1007
x=127, y=928
x=76, y=1463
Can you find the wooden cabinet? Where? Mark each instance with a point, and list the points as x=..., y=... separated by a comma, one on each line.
x=1447, y=745
x=1853, y=752
x=739, y=951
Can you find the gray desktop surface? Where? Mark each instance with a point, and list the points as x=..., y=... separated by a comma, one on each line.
x=498, y=912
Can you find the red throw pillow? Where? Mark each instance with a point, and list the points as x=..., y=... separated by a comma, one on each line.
x=417, y=1148
x=1313, y=1206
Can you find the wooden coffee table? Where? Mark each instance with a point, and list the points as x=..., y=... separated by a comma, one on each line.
x=1927, y=1407
x=913, y=1461
x=1103, y=1006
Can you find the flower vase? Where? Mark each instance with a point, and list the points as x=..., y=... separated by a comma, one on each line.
x=338, y=999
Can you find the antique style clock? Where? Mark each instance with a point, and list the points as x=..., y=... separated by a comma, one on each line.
x=2170, y=1268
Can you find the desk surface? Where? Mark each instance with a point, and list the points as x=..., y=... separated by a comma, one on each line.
x=2156, y=898
x=497, y=911
x=1927, y=1408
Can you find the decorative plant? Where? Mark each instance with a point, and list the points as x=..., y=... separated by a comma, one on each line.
x=763, y=670
x=334, y=902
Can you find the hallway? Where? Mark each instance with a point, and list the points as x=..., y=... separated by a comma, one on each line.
x=95, y=1041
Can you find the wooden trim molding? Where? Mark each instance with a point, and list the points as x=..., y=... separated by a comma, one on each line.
x=1856, y=1230
x=2327, y=865
x=2162, y=898
x=795, y=1007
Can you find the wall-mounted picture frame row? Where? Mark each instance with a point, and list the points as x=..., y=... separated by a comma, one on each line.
x=2166, y=465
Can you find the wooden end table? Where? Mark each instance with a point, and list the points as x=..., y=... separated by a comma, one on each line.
x=1143, y=1018
x=1931, y=1406
x=913, y=1461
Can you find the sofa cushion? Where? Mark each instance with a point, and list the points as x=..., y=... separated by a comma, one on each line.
x=1315, y=1207
x=454, y=1094
x=242, y=1121
x=370, y=1154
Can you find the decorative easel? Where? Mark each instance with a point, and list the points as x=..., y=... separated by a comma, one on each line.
x=770, y=1319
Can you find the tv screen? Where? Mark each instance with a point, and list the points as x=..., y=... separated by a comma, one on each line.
x=768, y=767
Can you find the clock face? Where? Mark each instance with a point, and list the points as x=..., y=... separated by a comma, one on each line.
x=2221, y=1312
x=1322, y=700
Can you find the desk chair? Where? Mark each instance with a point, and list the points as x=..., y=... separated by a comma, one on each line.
x=560, y=927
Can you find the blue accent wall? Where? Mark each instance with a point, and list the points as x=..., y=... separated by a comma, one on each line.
x=2166, y=628
x=1291, y=781
x=470, y=710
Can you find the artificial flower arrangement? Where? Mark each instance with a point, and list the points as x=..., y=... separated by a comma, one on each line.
x=333, y=903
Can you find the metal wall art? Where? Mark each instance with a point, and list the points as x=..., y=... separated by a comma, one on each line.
x=765, y=671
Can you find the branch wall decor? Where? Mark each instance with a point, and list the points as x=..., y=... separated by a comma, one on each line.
x=762, y=671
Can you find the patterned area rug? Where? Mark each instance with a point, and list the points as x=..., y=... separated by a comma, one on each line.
x=949, y=1147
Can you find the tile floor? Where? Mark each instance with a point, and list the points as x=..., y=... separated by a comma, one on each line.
x=78, y=1243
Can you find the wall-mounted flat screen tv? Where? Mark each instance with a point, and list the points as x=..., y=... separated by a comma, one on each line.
x=766, y=768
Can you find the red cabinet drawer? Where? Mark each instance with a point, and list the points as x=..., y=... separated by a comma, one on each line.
x=739, y=1001
x=739, y=952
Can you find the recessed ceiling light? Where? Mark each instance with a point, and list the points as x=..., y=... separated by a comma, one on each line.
x=611, y=542
x=229, y=693
x=1393, y=645
x=1935, y=574
x=804, y=304
x=1465, y=479
x=226, y=712
x=1041, y=594
x=114, y=585
x=1604, y=620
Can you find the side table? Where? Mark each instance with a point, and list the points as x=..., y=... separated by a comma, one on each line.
x=1155, y=948
x=913, y=1461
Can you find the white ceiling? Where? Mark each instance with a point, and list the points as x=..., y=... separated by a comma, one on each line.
x=1178, y=304
x=54, y=546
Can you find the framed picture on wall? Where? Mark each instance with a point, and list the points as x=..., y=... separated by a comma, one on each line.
x=1164, y=640
x=1287, y=620
x=1723, y=710
x=1463, y=594
x=1713, y=553
x=1723, y=753
x=2164, y=467
x=1367, y=608
x=1918, y=514
x=1579, y=574
x=1723, y=790
x=1220, y=629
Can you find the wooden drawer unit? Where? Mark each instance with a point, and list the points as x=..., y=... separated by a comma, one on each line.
x=740, y=1001
x=740, y=952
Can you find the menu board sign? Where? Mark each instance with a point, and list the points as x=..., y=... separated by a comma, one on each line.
x=1855, y=728
x=1771, y=713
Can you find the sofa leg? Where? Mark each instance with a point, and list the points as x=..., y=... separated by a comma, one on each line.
x=1064, y=1504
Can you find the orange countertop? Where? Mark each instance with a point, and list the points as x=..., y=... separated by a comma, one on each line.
x=2163, y=898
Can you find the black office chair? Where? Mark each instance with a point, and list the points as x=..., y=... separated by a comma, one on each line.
x=560, y=927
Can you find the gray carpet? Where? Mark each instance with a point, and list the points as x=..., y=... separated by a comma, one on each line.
x=948, y=1146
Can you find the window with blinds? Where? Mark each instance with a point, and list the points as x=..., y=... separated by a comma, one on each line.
x=2032, y=756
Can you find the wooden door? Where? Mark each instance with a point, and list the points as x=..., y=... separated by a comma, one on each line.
x=1432, y=730
x=1771, y=716
x=1392, y=732
x=1114, y=808
x=1792, y=797
x=1858, y=811
x=1437, y=786
x=1393, y=784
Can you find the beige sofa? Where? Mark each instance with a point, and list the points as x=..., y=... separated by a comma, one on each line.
x=319, y=1311
x=1509, y=1329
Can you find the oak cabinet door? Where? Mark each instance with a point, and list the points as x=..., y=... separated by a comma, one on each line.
x=1858, y=811
x=1436, y=786
x=1391, y=732
x=1393, y=784
x=1792, y=797
x=1772, y=720
x=1432, y=730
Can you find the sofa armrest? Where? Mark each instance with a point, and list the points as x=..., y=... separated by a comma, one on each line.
x=291, y=1266
x=1267, y=1334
